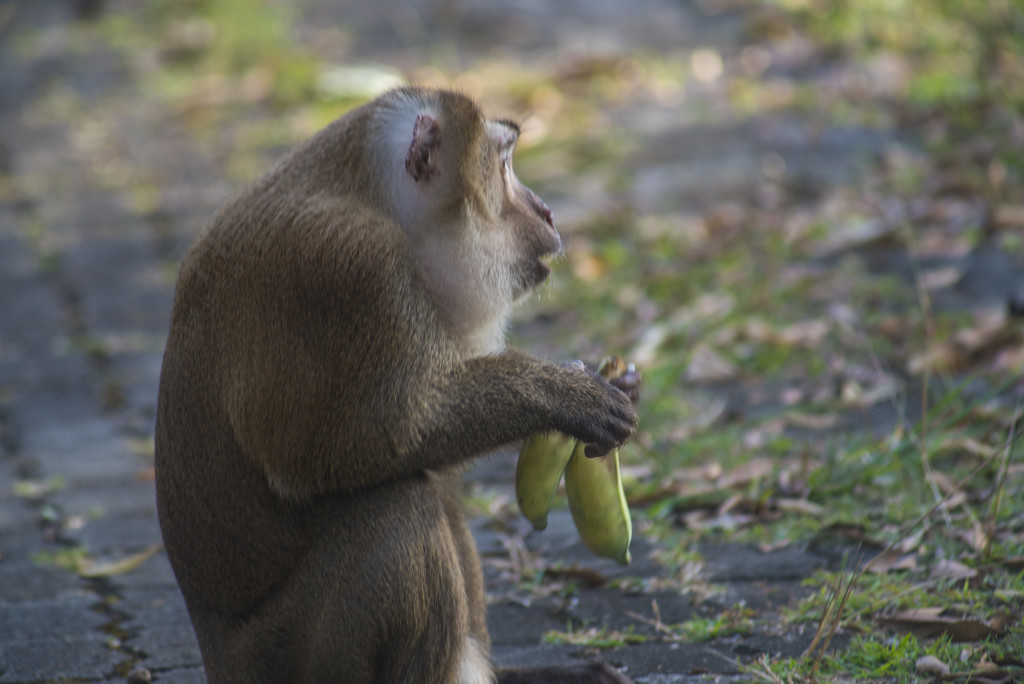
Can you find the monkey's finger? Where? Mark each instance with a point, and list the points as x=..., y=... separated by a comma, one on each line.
x=597, y=450
x=629, y=383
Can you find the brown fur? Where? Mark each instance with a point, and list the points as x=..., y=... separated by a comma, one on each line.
x=317, y=400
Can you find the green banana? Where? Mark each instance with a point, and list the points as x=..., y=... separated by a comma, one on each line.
x=596, y=498
x=598, y=503
x=538, y=471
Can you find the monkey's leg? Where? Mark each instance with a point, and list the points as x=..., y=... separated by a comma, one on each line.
x=468, y=557
x=385, y=588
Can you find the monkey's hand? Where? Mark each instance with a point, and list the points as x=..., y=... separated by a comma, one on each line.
x=629, y=381
x=609, y=417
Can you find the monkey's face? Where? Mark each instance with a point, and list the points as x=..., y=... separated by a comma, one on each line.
x=481, y=238
x=524, y=219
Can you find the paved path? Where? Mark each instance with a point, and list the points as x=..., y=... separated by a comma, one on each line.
x=86, y=282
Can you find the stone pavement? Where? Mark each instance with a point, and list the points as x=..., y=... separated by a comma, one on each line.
x=86, y=283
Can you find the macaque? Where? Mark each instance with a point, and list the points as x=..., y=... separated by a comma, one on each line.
x=335, y=358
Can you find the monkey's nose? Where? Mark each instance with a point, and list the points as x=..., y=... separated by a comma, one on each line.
x=538, y=205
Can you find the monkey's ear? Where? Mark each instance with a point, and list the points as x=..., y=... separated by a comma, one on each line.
x=421, y=160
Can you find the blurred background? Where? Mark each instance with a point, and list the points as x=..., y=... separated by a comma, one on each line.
x=802, y=219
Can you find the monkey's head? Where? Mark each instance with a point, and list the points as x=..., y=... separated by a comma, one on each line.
x=480, y=236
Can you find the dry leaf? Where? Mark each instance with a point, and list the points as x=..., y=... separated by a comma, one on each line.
x=928, y=622
x=707, y=365
x=699, y=420
x=991, y=330
x=1008, y=215
x=967, y=444
x=91, y=568
x=939, y=278
x=765, y=547
x=812, y=421
x=855, y=394
x=942, y=357
x=892, y=559
x=808, y=333
x=944, y=482
x=801, y=506
x=1017, y=562
x=1010, y=360
x=856, y=232
x=849, y=531
x=929, y=664
x=754, y=469
x=701, y=520
x=927, y=613
x=952, y=569
x=730, y=504
x=585, y=576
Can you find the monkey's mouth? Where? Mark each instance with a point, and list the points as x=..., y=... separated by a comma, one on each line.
x=543, y=270
x=543, y=264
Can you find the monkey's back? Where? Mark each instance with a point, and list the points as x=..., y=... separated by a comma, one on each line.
x=276, y=388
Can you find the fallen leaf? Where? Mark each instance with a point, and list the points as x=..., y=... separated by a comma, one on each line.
x=929, y=664
x=942, y=357
x=1008, y=215
x=697, y=421
x=891, y=560
x=707, y=365
x=856, y=232
x=928, y=622
x=808, y=333
x=37, y=489
x=754, y=469
x=847, y=532
x=812, y=421
x=646, y=349
x=702, y=500
x=1010, y=360
x=701, y=520
x=951, y=569
x=1016, y=562
x=970, y=630
x=966, y=444
x=926, y=613
x=990, y=331
x=939, y=278
x=585, y=576
x=732, y=503
x=801, y=506
x=765, y=547
x=990, y=328
x=855, y=394
x=91, y=568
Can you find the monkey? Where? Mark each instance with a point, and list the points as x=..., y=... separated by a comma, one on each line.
x=335, y=359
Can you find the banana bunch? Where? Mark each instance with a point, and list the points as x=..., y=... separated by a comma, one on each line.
x=592, y=485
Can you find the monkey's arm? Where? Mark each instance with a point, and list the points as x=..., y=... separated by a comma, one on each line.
x=497, y=400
